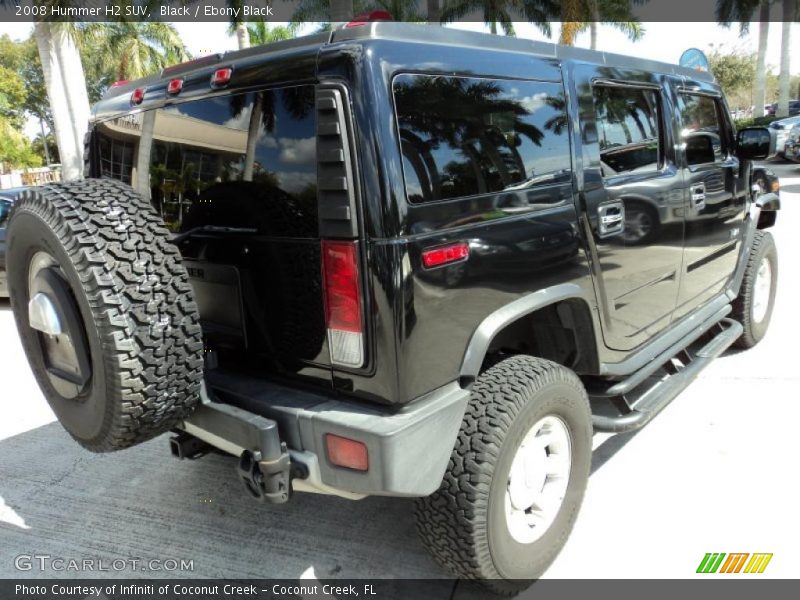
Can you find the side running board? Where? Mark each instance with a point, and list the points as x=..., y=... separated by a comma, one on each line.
x=632, y=403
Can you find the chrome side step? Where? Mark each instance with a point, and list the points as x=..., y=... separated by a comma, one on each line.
x=632, y=403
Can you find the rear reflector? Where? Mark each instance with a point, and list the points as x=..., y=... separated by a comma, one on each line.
x=221, y=77
x=347, y=453
x=137, y=96
x=342, y=289
x=174, y=86
x=443, y=255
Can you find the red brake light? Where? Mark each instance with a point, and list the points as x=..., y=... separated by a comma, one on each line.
x=221, y=77
x=137, y=96
x=342, y=289
x=174, y=86
x=445, y=254
x=120, y=82
x=344, y=452
x=375, y=15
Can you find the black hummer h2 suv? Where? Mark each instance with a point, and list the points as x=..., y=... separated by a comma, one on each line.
x=365, y=272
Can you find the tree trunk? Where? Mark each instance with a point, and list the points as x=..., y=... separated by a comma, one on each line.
x=341, y=11
x=242, y=36
x=252, y=137
x=785, y=74
x=47, y=160
x=760, y=98
x=142, y=183
x=71, y=161
x=594, y=23
x=569, y=31
x=434, y=12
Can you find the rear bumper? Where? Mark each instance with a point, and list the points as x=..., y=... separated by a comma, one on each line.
x=408, y=449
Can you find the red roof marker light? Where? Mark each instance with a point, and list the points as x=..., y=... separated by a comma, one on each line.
x=174, y=87
x=221, y=77
x=137, y=96
x=375, y=15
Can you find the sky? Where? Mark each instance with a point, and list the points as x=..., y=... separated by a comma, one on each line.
x=662, y=41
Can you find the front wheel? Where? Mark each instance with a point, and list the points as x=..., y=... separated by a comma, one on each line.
x=516, y=477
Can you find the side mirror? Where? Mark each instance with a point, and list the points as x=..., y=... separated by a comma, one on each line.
x=755, y=143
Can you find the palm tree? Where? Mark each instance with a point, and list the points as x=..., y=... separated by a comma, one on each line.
x=131, y=50
x=260, y=33
x=790, y=13
x=66, y=91
x=579, y=15
x=742, y=11
x=503, y=12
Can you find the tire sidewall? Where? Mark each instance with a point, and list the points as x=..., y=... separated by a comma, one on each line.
x=85, y=417
x=766, y=251
x=512, y=559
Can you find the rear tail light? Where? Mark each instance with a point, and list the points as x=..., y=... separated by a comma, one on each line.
x=435, y=257
x=342, y=289
x=221, y=77
x=347, y=453
x=120, y=83
x=137, y=96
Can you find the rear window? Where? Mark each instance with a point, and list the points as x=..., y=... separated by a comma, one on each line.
x=464, y=136
x=246, y=150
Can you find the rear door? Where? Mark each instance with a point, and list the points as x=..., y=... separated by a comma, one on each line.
x=715, y=196
x=632, y=200
x=246, y=162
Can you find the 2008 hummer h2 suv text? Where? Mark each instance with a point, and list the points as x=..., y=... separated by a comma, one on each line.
x=364, y=272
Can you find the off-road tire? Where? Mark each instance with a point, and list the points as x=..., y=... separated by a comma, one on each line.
x=463, y=524
x=133, y=294
x=763, y=246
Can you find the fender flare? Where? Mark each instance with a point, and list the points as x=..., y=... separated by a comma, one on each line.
x=490, y=326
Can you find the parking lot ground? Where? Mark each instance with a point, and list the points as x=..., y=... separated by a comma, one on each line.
x=717, y=471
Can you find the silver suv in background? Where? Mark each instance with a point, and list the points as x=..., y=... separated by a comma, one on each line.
x=782, y=128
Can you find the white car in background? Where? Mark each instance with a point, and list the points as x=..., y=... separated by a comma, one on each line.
x=782, y=128
x=791, y=148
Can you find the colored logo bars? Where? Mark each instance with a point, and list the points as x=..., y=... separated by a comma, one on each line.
x=717, y=562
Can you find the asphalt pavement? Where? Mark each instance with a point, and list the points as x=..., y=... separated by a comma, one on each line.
x=717, y=471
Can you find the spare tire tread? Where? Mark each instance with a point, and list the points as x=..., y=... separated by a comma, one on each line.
x=140, y=300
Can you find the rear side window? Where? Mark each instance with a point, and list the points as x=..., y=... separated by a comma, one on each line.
x=465, y=136
x=247, y=151
x=628, y=129
x=701, y=129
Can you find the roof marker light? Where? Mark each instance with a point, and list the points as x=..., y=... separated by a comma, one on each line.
x=221, y=77
x=137, y=96
x=174, y=86
x=375, y=15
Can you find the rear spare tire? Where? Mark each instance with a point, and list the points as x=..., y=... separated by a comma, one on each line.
x=105, y=312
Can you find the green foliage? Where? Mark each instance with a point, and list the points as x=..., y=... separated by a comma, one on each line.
x=52, y=147
x=12, y=97
x=735, y=72
x=15, y=148
x=126, y=50
x=23, y=59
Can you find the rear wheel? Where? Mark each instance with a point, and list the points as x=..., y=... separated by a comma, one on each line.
x=753, y=307
x=105, y=312
x=516, y=477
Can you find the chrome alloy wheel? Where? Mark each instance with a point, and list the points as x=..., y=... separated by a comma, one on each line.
x=761, y=290
x=537, y=482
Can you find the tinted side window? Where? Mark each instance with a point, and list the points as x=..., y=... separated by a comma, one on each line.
x=628, y=129
x=461, y=136
x=247, y=160
x=701, y=129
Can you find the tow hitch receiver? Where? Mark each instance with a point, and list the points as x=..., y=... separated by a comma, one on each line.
x=265, y=480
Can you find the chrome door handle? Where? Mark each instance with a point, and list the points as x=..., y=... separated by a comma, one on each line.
x=611, y=219
x=699, y=196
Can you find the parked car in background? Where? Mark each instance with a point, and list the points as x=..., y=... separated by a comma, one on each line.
x=792, y=144
x=6, y=200
x=782, y=128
